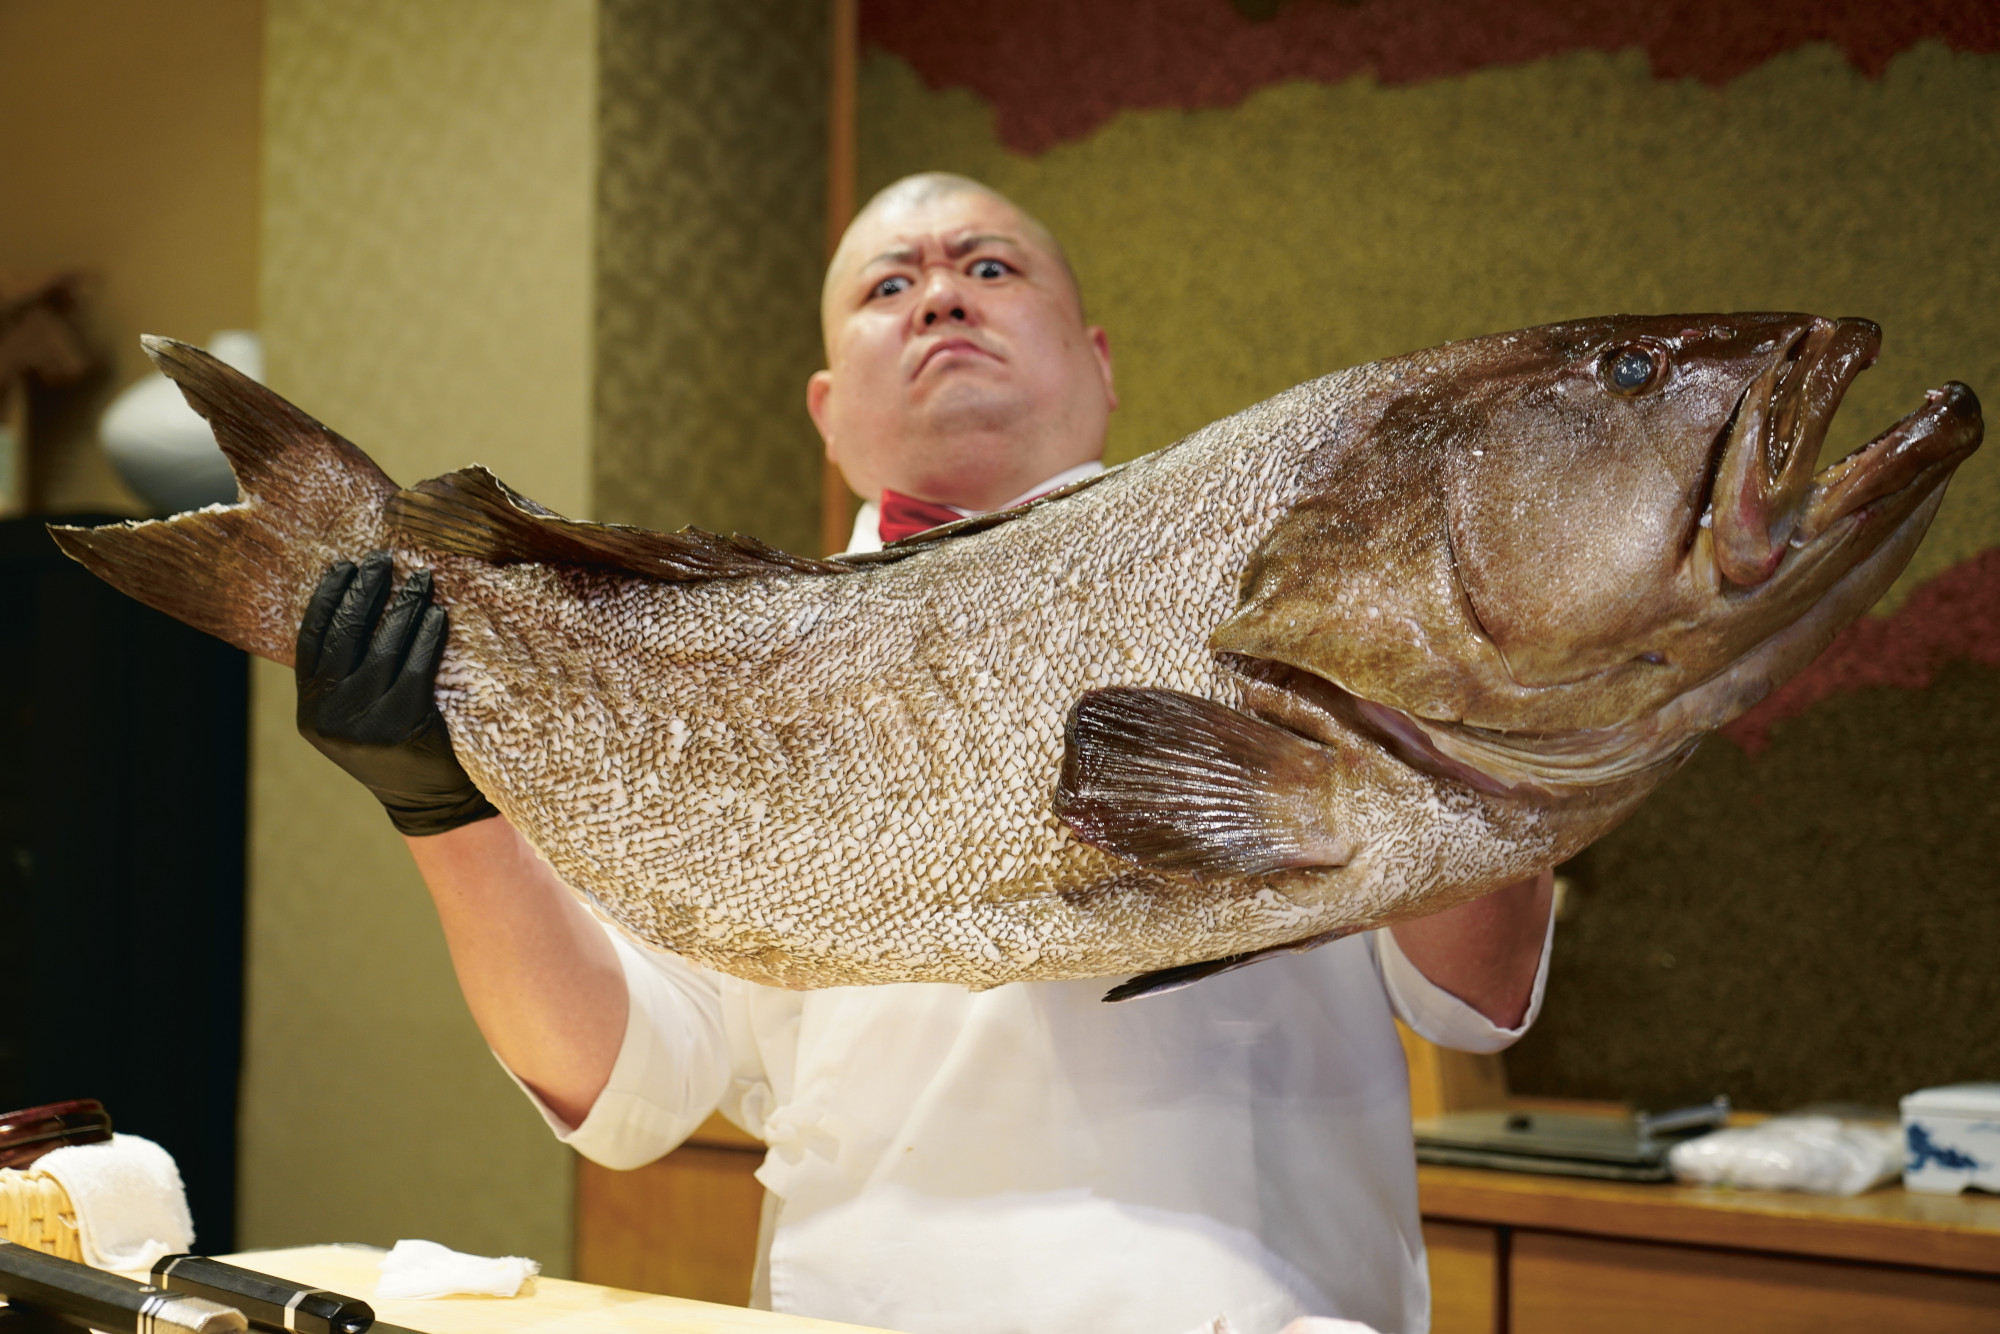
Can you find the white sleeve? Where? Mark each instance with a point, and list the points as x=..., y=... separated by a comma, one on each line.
x=672, y=1066
x=1440, y=1017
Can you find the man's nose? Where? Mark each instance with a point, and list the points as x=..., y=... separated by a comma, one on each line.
x=944, y=299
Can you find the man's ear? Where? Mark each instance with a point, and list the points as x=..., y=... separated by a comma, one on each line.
x=1100, y=343
x=819, y=388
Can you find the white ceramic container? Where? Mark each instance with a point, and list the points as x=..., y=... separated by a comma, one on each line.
x=1952, y=1134
x=162, y=447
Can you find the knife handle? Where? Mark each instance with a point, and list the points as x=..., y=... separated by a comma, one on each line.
x=269, y=1303
x=31, y=1132
x=79, y=1295
x=27, y=1320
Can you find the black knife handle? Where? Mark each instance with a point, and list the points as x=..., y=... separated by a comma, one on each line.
x=95, y=1299
x=269, y=1303
x=27, y=1320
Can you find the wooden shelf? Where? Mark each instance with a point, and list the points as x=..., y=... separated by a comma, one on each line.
x=1889, y=1226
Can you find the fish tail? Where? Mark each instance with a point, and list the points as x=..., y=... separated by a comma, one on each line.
x=242, y=572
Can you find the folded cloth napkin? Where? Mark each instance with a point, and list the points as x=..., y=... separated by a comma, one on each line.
x=131, y=1208
x=426, y=1269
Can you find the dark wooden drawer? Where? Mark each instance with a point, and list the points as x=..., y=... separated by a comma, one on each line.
x=1465, y=1264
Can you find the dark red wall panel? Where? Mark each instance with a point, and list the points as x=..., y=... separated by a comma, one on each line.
x=1955, y=617
x=1057, y=69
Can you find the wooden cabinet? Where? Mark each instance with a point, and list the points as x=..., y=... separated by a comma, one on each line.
x=123, y=758
x=1559, y=1283
x=685, y=1226
x=1558, y=1256
x=1467, y=1265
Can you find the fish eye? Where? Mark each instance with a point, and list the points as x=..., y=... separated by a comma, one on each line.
x=889, y=286
x=1632, y=370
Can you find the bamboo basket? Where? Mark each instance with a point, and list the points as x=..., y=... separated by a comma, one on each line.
x=35, y=1211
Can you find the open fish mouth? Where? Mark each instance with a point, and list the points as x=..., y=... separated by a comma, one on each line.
x=1911, y=456
x=1766, y=500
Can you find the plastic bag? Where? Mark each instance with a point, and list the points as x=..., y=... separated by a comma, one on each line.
x=1825, y=1155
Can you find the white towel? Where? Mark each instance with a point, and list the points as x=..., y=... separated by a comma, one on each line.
x=131, y=1208
x=426, y=1269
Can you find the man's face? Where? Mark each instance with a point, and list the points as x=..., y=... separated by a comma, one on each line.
x=959, y=366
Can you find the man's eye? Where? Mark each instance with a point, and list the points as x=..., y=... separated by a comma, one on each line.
x=989, y=268
x=889, y=287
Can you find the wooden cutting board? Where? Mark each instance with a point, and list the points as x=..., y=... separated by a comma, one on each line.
x=547, y=1306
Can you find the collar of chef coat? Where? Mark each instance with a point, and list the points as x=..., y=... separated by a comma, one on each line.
x=867, y=535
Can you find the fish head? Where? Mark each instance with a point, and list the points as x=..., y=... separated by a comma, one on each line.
x=1563, y=554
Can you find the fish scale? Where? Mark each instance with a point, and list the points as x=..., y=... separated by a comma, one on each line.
x=1244, y=694
x=952, y=709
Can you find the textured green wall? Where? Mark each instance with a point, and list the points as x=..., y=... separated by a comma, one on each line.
x=1814, y=922
x=711, y=212
x=427, y=291
x=1233, y=253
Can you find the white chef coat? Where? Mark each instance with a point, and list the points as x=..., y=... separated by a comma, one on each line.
x=1030, y=1160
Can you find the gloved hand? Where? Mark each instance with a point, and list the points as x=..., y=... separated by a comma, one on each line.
x=366, y=682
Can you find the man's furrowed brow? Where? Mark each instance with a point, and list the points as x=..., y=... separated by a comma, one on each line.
x=954, y=248
x=902, y=254
x=965, y=245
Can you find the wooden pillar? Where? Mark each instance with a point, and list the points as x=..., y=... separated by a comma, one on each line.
x=837, y=503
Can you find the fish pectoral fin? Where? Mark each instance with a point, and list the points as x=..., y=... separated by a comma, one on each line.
x=1162, y=980
x=1179, y=783
x=473, y=513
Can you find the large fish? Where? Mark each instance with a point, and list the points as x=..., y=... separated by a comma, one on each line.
x=1383, y=643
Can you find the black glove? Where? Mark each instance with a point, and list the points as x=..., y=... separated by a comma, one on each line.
x=367, y=680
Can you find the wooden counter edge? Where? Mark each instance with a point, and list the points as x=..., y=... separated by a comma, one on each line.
x=552, y=1303
x=1887, y=1226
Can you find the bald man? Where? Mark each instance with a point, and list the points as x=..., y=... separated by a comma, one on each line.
x=1022, y=1159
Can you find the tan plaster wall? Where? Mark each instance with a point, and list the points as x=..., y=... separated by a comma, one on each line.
x=128, y=148
x=427, y=290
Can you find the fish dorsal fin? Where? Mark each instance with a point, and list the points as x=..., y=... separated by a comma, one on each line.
x=1182, y=784
x=1162, y=980
x=978, y=523
x=277, y=452
x=473, y=513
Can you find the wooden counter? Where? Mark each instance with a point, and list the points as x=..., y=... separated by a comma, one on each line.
x=1514, y=1253
x=1887, y=1226
x=1510, y=1253
x=550, y=1306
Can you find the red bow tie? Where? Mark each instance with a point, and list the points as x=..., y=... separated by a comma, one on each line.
x=906, y=516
